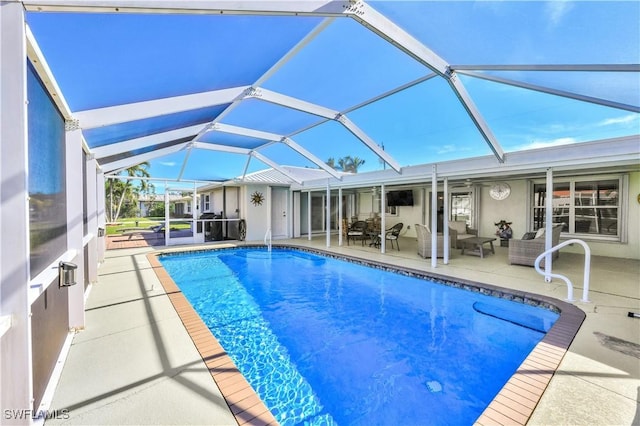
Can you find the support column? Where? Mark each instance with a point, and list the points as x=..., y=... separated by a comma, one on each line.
x=16, y=380
x=548, y=220
x=75, y=193
x=340, y=207
x=328, y=214
x=269, y=211
x=434, y=216
x=445, y=222
x=309, y=215
x=383, y=219
x=194, y=214
x=167, y=214
x=92, y=219
x=101, y=215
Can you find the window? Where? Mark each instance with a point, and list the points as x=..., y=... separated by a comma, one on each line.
x=47, y=180
x=205, y=203
x=461, y=207
x=585, y=207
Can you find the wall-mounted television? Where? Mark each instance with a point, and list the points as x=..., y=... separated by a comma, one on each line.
x=400, y=198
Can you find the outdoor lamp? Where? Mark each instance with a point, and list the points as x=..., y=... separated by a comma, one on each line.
x=67, y=274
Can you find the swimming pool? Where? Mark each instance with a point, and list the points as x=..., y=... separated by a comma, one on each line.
x=327, y=341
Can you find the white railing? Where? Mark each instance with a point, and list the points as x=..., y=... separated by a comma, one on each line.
x=267, y=239
x=587, y=269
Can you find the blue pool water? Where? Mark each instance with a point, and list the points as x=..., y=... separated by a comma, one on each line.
x=325, y=341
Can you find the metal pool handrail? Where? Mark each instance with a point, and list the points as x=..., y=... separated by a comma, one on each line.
x=267, y=235
x=587, y=269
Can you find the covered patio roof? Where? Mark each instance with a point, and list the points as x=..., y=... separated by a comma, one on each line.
x=212, y=90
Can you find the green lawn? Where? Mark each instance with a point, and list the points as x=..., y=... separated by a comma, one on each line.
x=142, y=223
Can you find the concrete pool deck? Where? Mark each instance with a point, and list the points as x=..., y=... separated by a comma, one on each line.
x=135, y=362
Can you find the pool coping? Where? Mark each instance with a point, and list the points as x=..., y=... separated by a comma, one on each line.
x=514, y=403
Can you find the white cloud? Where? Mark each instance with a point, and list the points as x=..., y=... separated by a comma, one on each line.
x=168, y=163
x=625, y=119
x=556, y=10
x=445, y=149
x=546, y=144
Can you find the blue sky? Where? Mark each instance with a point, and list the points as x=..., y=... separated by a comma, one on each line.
x=118, y=59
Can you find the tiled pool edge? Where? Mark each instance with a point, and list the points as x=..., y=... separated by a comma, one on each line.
x=519, y=397
x=244, y=403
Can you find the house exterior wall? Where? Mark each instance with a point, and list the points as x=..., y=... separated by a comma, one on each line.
x=257, y=216
x=515, y=209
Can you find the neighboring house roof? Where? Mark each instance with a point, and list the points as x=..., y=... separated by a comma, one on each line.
x=286, y=175
x=159, y=198
x=272, y=176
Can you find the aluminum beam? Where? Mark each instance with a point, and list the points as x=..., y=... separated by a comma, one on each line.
x=184, y=162
x=562, y=93
x=221, y=148
x=297, y=104
x=302, y=151
x=558, y=67
x=476, y=117
x=244, y=131
x=373, y=146
x=137, y=159
x=145, y=141
x=44, y=72
x=388, y=30
x=276, y=166
x=236, y=130
x=368, y=102
x=231, y=7
x=281, y=62
x=100, y=117
x=291, y=102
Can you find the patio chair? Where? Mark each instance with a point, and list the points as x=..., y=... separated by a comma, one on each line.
x=424, y=242
x=458, y=230
x=525, y=252
x=393, y=233
x=357, y=231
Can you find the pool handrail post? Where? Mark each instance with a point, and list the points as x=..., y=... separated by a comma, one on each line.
x=267, y=239
x=587, y=269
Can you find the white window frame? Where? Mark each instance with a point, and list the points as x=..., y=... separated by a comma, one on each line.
x=623, y=204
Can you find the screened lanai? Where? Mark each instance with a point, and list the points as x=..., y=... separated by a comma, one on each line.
x=215, y=90
x=212, y=93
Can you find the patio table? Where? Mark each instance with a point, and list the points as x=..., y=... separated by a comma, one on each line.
x=476, y=245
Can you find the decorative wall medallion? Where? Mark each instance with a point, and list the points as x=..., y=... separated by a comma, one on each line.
x=500, y=191
x=257, y=198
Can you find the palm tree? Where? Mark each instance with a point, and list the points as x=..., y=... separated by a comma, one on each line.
x=124, y=190
x=353, y=164
x=346, y=164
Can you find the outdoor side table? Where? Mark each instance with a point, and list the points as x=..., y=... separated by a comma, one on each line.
x=475, y=246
